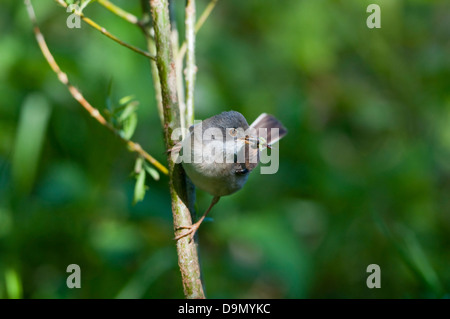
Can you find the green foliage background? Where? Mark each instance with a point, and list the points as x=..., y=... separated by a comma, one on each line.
x=364, y=171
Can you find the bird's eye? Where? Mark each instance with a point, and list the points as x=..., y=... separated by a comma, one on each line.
x=233, y=131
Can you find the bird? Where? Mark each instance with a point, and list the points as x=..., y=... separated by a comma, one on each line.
x=220, y=152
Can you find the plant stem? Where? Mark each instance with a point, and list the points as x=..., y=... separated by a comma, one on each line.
x=147, y=28
x=119, y=11
x=107, y=33
x=179, y=187
x=205, y=14
x=178, y=66
x=191, y=68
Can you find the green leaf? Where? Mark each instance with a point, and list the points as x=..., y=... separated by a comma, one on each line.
x=138, y=165
x=30, y=140
x=129, y=109
x=13, y=284
x=126, y=99
x=139, y=187
x=152, y=171
x=129, y=126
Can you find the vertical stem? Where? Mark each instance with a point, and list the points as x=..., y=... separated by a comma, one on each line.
x=149, y=32
x=179, y=189
x=156, y=83
x=178, y=66
x=191, y=68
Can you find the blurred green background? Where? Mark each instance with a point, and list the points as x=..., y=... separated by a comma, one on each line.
x=364, y=171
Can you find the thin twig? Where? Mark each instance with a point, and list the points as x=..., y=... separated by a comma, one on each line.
x=191, y=68
x=79, y=97
x=178, y=68
x=149, y=32
x=107, y=33
x=156, y=82
x=131, y=18
x=205, y=14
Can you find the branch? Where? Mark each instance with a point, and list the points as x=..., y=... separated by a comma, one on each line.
x=62, y=77
x=209, y=8
x=178, y=66
x=149, y=33
x=119, y=12
x=106, y=33
x=191, y=68
x=181, y=193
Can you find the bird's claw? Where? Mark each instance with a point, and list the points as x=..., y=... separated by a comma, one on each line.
x=191, y=232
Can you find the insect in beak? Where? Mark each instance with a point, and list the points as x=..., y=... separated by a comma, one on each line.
x=260, y=142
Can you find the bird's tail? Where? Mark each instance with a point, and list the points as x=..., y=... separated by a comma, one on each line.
x=269, y=121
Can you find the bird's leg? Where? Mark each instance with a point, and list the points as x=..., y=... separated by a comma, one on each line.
x=194, y=227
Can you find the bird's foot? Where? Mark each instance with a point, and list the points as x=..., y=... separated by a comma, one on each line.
x=191, y=230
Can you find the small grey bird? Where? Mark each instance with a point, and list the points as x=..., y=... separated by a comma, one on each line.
x=219, y=153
